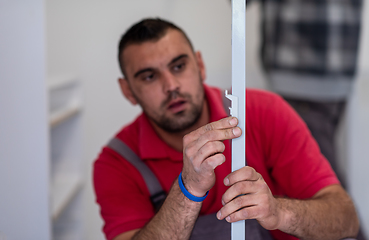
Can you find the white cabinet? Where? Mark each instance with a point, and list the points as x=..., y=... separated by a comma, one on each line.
x=40, y=136
x=66, y=178
x=24, y=165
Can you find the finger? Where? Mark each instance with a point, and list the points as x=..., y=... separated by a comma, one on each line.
x=251, y=212
x=197, y=154
x=208, y=150
x=219, y=135
x=241, y=188
x=237, y=204
x=212, y=162
x=243, y=174
x=191, y=149
x=224, y=123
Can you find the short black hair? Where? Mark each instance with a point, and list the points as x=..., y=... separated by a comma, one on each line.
x=149, y=29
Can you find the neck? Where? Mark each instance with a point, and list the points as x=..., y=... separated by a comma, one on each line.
x=175, y=140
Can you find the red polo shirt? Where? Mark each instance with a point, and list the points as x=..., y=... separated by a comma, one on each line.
x=278, y=145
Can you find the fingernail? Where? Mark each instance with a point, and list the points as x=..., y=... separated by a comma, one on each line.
x=237, y=131
x=233, y=121
x=219, y=215
x=226, y=181
x=223, y=202
x=228, y=219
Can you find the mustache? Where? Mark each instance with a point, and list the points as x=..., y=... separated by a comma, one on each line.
x=173, y=95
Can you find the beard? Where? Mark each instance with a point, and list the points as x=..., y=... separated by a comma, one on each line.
x=180, y=121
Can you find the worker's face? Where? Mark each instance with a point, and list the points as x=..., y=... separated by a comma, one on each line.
x=165, y=79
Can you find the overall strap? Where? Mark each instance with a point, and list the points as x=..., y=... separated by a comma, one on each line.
x=156, y=191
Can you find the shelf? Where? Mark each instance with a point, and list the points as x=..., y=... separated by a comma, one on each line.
x=56, y=82
x=66, y=178
x=63, y=114
x=64, y=188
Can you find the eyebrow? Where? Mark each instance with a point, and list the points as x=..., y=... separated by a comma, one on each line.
x=151, y=69
x=178, y=58
x=142, y=71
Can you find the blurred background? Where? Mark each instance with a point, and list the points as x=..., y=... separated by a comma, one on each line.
x=60, y=103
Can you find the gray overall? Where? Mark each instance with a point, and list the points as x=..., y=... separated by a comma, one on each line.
x=206, y=227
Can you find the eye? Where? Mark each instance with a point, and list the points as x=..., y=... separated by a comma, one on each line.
x=148, y=77
x=179, y=67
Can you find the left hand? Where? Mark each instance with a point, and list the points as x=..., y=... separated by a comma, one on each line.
x=256, y=200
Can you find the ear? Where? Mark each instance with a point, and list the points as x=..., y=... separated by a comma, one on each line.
x=201, y=65
x=126, y=90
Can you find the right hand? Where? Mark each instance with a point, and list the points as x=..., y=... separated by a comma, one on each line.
x=202, y=153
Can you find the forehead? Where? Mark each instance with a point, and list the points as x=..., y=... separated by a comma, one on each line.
x=155, y=54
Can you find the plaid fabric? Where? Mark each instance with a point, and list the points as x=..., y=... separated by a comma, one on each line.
x=311, y=36
x=314, y=38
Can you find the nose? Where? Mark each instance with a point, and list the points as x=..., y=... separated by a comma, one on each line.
x=170, y=83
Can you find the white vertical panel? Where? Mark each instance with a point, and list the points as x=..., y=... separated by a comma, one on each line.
x=238, y=91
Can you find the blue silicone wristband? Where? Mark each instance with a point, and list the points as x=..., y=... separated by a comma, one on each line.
x=187, y=193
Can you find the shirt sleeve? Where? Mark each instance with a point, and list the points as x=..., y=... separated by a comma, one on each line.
x=293, y=156
x=121, y=193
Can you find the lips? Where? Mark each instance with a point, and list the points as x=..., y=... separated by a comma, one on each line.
x=177, y=106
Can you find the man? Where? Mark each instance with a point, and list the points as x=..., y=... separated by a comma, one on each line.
x=184, y=129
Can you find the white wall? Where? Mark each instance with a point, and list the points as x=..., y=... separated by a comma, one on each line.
x=23, y=122
x=82, y=39
x=358, y=130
